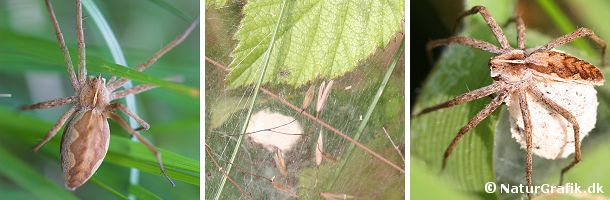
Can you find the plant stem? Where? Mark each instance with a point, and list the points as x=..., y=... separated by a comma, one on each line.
x=119, y=58
x=249, y=114
x=369, y=112
x=318, y=121
x=564, y=23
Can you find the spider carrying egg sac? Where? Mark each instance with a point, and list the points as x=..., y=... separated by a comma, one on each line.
x=552, y=134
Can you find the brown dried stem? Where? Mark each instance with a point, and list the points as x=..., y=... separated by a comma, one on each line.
x=313, y=118
x=225, y=173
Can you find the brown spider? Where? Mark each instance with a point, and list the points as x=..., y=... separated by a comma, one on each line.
x=549, y=94
x=85, y=140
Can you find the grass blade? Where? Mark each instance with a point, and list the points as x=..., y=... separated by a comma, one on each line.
x=121, y=151
x=23, y=175
x=562, y=21
x=108, y=188
x=142, y=193
x=172, y=9
x=119, y=58
x=256, y=89
x=369, y=111
x=39, y=54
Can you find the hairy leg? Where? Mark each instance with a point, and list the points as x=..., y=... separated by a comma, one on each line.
x=527, y=123
x=568, y=116
x=489, y=108
x=493, y=25
x=143, y=140
x=62, y=120
x=119, y=82
x=121, y=107
x=133, y=90
x=62, y=46
x=581, y=32
x=80, y=36
x=50, y=103
x=485, y=46
x=520, y=29
x=475, y=94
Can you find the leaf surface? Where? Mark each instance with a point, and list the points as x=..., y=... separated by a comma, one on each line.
x=317, y=39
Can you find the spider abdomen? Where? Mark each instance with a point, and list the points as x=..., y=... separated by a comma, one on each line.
x=83, y=146
x=559, y=65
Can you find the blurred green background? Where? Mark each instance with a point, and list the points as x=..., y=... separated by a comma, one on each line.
x=31, y=69
x=488, y=153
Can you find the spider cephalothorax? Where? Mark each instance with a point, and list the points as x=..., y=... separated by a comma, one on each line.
x=94, y=94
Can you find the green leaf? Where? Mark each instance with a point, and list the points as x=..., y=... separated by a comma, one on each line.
x=23, y=175
x=257, y=87
x=319, y=39
x=172, y=9
x=108, y=188
x=142, y=193
x=127, y=153
x=121, y=151
x=428, y=184
x=18, y=49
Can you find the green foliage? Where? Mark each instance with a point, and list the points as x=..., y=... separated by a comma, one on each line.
x=430, y=186
x=459, y=70
x=23, y=175
x=142, y=193
x=165, y=5
x=40, y=53
x=122, y=151
x=319, y=39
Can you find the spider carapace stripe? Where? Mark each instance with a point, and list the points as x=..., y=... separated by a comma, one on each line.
x=566, y=67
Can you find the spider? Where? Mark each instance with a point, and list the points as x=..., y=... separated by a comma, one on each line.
x=85, y=139
x=549, y=94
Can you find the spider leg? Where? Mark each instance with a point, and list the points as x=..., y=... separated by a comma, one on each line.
x=520, y=29
x=50, y=103
x=472, y=95
x=62, y=120
x=133, y=90
x=82, y=68
x=581, y=32
x=489, y=108
x=121, y=107
x=568, y=116
x=143, y=140
x=493, y=25
x=119, y=82
x=62, y=46
x=485, y=46
x=527, y=121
